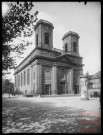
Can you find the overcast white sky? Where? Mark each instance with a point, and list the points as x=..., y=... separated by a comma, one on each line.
x=78, y=17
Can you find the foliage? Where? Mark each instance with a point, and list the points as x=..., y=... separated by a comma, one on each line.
x=87, y=74
x=16, y=22
x=7, y=86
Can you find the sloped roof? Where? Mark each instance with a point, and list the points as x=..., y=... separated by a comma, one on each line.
x=97, y=75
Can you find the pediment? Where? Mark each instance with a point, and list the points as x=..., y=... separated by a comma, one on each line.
x=64, y=59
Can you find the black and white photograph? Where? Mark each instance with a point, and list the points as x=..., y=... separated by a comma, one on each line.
x=51, y=67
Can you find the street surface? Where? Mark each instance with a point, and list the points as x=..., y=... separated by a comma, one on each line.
x=48, y=114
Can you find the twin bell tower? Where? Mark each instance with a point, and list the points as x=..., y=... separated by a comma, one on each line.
x=44, y=38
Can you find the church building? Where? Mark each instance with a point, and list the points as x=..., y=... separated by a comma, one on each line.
x=47, y=70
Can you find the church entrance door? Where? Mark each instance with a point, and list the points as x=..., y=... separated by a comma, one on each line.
x=76, y=89
x=62, y=87
x=47, y=89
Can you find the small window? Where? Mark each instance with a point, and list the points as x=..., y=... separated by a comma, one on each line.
x=46, y=38
x=74, y=47
x=37, y=39
x=66, y=48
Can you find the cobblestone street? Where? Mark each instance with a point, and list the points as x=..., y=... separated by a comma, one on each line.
x=49, y=115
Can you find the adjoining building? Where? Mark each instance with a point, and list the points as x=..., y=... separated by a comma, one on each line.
x=47, y=70
x=95, y=80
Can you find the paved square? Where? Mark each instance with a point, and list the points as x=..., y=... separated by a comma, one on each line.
x=47, y=114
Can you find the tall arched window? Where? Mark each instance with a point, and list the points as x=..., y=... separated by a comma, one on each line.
x=24, y=78
x=34, y=75
x=28, y=76
x=18, y=80
x=21, y=79
x=15, y=81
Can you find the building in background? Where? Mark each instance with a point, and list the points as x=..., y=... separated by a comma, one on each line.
x=95, y=80
x=47, y=70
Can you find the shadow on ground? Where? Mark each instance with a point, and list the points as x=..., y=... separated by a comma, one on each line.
x=39, y=117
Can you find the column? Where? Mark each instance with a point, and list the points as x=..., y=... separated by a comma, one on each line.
x=39, y=79
x=54, y=80
x=71, y=81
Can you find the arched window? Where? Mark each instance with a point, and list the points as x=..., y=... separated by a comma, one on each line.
x=15, y=81
x=21, y=79
x=18, y=81
x=28, y=76
x=24, y=78
x=34, y=75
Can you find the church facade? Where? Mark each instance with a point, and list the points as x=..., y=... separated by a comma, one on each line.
x=47, y=70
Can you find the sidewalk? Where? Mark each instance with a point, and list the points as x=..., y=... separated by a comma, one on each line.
x=7, y=96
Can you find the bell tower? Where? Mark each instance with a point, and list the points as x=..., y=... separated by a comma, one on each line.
x=44, y=34
x=70, y=43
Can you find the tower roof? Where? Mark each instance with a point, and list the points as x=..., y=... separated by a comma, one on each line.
x=70, y=33
x=44, y=22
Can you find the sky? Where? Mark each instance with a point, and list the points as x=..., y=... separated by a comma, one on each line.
x=72, y=16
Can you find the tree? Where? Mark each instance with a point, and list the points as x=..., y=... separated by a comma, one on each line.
x=16, y=22
x=7, y=86
x=87, y=74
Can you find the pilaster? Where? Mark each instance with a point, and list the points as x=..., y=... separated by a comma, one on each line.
x=71, y=80
x=31, y=79
x=54, y=79
x=39, y=79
